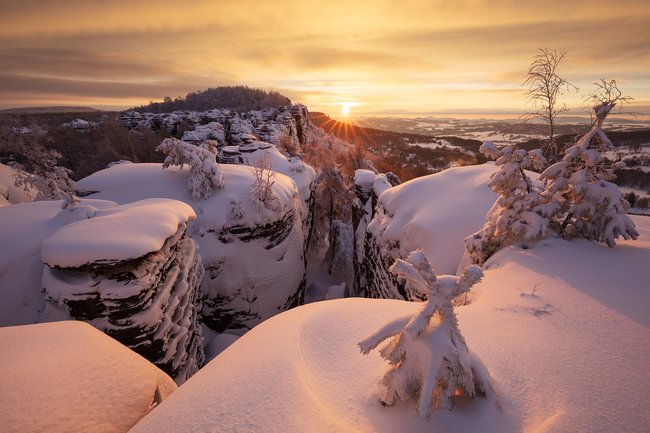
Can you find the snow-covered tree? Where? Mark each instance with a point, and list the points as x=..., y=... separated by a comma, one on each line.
x=581, y=202
x=514, y=215
x=427, y=354
x=205, y=173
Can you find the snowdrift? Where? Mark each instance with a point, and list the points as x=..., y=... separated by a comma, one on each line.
x=69, y=377
x=569, y=356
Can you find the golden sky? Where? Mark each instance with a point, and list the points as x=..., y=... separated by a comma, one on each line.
x=379, y=57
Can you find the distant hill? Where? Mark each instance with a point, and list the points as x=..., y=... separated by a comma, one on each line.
x=49, y=110
x=237, y=98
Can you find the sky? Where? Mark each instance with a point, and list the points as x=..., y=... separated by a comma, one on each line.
x=378, y=57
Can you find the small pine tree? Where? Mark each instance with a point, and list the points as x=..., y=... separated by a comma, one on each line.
x=514, y=214
x=205, y=174
x=581, y=202
x=427, y=354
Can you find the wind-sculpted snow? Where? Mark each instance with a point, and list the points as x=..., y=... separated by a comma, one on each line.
x=128, y=270
x=69, y=377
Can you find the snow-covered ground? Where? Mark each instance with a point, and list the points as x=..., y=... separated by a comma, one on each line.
x=70, y=377
x=562, y=327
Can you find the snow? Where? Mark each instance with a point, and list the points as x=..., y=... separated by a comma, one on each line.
x=248, y=276
x=23, y=227
x=572, y=356
x=455, y=199
x=132, y=182
x=69, y=377
x=115, y=234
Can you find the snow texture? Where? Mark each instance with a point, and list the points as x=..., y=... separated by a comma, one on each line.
x=69, y=377
x=9, y=192
x=150, y=304
x=580, y=200
x=116, y=234
x=562, y=359
x=205, y=174
x=23, y=228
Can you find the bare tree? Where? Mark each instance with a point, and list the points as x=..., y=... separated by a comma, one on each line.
x=544, y=89
x=264, y=180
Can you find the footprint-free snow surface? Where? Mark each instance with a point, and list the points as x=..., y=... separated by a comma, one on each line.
x=70, y=377
x=562, y=327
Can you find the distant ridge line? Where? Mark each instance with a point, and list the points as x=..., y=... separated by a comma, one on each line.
x=52, y=109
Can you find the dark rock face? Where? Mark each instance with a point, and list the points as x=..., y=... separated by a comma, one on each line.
x=273, y=234
x=379, y=282
x=150, y=304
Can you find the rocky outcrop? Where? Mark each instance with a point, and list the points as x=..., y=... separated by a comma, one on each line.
x=150, y=303
x=253, y=253
x=287, y=125
x=368, y=186
x=403, y=221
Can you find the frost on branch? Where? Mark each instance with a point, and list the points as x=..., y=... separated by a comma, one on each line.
x=205, y=173
x=514, y=215
x=581, y=202
x=427, y=354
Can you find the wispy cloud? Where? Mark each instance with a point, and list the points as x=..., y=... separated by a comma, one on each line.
x=401, y=55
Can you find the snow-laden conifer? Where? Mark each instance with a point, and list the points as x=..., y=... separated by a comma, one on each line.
x=428, y=355
x=581, y=202
x=513, y=215
x=205, y=174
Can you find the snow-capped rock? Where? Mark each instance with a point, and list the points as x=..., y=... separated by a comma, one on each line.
x=253, y=253
x=434, y=213
x=131, y=272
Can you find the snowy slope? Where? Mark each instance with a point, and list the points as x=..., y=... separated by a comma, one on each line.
x=69, y=377
x=571, y=357
x=454, y=200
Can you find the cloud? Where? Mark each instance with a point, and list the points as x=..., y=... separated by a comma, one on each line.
x=383, y=52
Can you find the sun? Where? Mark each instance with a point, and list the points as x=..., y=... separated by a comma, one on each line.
x=345, y=108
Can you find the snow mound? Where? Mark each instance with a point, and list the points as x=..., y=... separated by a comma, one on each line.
x=120, y=233
x=69, y=377
x=435, y=213
x=571, y=356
